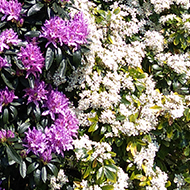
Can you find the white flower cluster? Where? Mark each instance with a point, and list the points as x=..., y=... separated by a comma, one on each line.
x=180, y=63
x=57, y=183
x=160, y=5
x=146, y=157
x=101, y=150
x=174, y=105
x=179, y=180
x=154, y=40
x=158, y=181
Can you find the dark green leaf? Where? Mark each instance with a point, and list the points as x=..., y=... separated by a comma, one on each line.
x=2, y=24
x=37, y=176
x=58, y=55
x=37, y=113
x=24, y=126
x=44, y=174
x=13, y=111
x=120, y=118
x=62, y=68
x=34, y=9
x=77, y=58
x=22, y=169
x=32, y=34
x=31, y=80
x=5, y=115
x=32, y=167
x=7, y=82
x=49, y=58
x=13, y=154
x=53, y=168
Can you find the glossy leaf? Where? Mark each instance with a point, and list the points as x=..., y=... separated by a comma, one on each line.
x=13, y=154
x=53, y=168
x=32, y=167
x=35, y=8
x=44, y=174
x=49, y=58
x=22, y=169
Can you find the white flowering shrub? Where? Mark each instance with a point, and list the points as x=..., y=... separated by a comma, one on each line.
x=101, y=94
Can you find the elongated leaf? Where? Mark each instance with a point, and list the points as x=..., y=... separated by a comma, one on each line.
x=53, y=168
x=5, y=115
x=62, y=68
x=32, y=167
x=100, y=173
x=7, y=82
x=37, y=176
x=13, y=154
x=37, y=113
x=87, y=172
x=93, y=127
x=77, y=58
x=110, y=175
x=111, y=168
x=32, y=34
x=58, y=55
x=22, y=169
x=13, y=111
x=108, y=187
x=44, y=174
x=34, y=9
x=24, y=126
x=49, y=58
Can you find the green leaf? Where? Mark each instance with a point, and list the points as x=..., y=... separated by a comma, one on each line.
x=32, y=34
x=44, y=174
x=186, y=151
x=32, y=167
x=49, y=58
x=13, y=154
x=77, y=58
x=110, y=175
x=108, y=187
x=62, y=68
x=120, y=118
x=5, y=115
x=117, y=11
x=58, y=55
x=24, y=126
x=37, y=176
x=14, y=112
x=7, y=82
x=156, y=67
x=187, y=179
x=87, y=172
x=93, y=127
x=100, y=173
x=37, y=113
x=35, y=8
x=22, y=169
x=155, y=107
x=53, y=168
x=111, y=168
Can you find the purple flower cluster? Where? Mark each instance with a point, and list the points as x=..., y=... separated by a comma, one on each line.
x=11, y=9
x=57, y=104
x=5, y=134
x=31, y=58
x=3, y=63
x=6, y=97
x=36, y=94
x=72, y=33
x=7, y=38
x=59, y=136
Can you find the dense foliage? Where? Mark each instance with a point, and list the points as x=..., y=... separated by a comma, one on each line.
x=94, y=94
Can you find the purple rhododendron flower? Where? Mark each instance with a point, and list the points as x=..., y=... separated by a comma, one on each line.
x=6, y=97
x=56, y=104
x=35, y=141
x=11, y=9
x=72, y=33
x=31, y=58
x=3, y=63
x=38, y=93
x=68, y=121
x=59, y=139
x=5, y=134
x=8, y=38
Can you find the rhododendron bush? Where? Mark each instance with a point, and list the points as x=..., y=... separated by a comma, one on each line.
x=94, y=94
